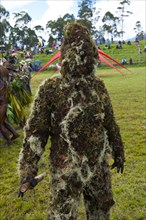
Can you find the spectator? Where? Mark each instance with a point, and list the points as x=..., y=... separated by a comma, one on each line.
x=119, y=46
x=120, y=42
x=99, y=63
x=124, y=61
x=140, y=51
x=112, y=39
x=130, y=61
x=58, y=66
x=108, y=44
x=50, y=51
x=136, y=43
x=30, y=54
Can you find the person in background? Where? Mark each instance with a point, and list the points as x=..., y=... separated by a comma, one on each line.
x=124, y=61
x=7, y=131
x=130, y=61
x=58, y=66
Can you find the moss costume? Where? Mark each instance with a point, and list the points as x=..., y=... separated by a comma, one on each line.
x=74, y=109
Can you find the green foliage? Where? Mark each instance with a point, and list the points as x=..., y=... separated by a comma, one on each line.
x=110, y=23
x=56, y=27
x=123, y=13
x=86, y=13
x=4, y=24
x=128, y=98
x=22, y=18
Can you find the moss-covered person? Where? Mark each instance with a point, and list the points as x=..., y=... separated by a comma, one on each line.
x=75, y=110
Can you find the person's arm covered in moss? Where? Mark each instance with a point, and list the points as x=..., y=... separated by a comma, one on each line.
x=36, y=133
x=113, y=131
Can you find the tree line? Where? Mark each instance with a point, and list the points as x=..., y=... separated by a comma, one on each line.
x=88, y=15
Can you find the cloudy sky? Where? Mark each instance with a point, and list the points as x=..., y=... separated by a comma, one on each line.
x=42, y=11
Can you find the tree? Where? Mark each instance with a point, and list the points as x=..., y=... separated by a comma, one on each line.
x=22, y=19
x=30, y=37
x=4, y=24
x=122, y=14
x=86, y=14
x=138, y=27
x=55, y=28
x=99, y=36
x=51, y=40
x=110, y=25
x=14, y=36
x=23, y=33
x=39, y=31
x=139, y=31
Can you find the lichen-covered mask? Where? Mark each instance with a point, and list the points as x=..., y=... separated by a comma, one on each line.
x=78, y=53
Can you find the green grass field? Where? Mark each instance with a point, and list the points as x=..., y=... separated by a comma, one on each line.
x=127, y=51
x=129, y=102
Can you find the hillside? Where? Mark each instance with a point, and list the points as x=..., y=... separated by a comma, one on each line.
x=127, y=51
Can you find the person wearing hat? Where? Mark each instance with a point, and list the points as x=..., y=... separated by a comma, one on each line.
x=73, y=108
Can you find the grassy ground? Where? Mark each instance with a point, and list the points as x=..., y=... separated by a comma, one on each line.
x=128, y=98
x=127, y=51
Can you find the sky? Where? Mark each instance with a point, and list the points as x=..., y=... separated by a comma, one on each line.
x=42, y=11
